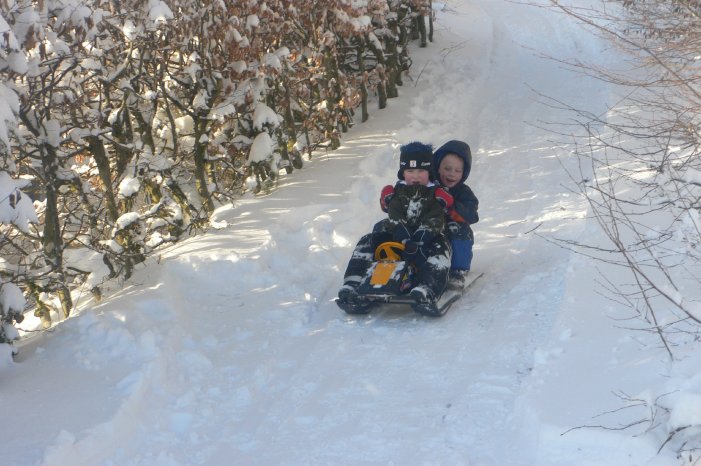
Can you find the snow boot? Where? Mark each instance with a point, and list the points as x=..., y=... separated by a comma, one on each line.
x=457, y=279
x=348, y=292
x=349, y=301
x=425, y=301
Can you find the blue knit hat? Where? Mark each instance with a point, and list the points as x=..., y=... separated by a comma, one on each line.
x=415, y=155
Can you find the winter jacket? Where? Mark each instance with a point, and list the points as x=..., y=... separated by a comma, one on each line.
x=414, y=208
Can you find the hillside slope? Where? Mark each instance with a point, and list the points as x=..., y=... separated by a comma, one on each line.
x=228, y=348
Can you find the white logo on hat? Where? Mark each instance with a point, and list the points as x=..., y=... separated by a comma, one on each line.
x=412, y=163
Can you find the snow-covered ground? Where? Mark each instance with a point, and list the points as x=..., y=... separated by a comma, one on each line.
x=228, y=348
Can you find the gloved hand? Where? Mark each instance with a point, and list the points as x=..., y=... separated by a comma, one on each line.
x=422, y=240
x=455, y=216
x=444, y=198
x=401, y=233
x=414, y=253
x=410, y=247
x=453, y=227
x=386, y=197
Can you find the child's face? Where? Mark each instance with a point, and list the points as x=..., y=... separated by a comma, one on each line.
x=450, y=170
x=416, y=176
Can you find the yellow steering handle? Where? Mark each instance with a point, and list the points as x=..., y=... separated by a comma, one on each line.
x=391, y=250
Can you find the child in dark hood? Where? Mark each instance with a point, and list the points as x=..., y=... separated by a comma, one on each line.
x=452, y=162
x=416, y=218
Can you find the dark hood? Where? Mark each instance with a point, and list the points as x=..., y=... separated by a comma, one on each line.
x=454, y=147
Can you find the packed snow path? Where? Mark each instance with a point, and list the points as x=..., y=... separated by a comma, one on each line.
x=230, y=349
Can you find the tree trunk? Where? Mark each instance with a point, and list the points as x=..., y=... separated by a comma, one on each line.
x=201, y=165
x=97, y=149
x=430, y=20
x=421, y=26
x=289, y=118
x=394, y=75
x=42, y=311
x=382, y=87
x=364, y=99
x=52, y=239
x=123, y=134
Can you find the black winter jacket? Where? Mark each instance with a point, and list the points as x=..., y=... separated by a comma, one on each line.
x=414, y=208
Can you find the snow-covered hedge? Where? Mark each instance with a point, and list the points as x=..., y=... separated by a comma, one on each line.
x=124, y=124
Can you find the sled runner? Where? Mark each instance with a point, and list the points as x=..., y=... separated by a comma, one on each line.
x=388, y=281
